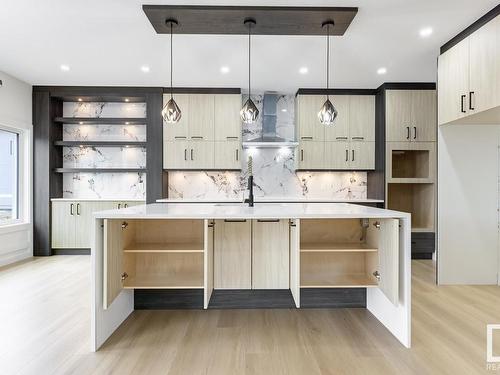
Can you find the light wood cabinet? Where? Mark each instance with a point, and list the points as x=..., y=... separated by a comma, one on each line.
x=197, y=141
x=233, y=254
x=468, y=78
x=333, y=147
x=362, y=155
x=72, y=221
x=349, y=253
x=410, y=115
x=227, y=117
x=484, y=57
x=201, y=155
x=311, y=155
x=362, y=118
x=227, y=155
x=270, y=254
x=337, y=155
x=185, y=155
x=340, y=130
x=201, y=117
x=176, y=154
x=179, y=130
x=309, y=127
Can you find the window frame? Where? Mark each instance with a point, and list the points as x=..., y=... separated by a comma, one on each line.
x=21, y=176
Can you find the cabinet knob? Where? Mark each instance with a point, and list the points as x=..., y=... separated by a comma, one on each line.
x=124, y=276
x=376, y=224
x=377, y=275
x=124, y=225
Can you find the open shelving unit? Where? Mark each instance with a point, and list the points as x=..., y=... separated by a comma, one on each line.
x=163, y=254
x=335, y=253
x=100, y=170
x=99, y=144
x=100, y=120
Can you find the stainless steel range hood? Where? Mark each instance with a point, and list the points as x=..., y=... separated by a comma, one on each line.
x=269, y=138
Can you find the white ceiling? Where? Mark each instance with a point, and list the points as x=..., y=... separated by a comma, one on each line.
x=105, y=42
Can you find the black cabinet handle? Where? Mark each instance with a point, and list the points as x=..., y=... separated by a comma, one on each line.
x=346, y=155
x=192, y=154
x=415, y=130
x=125, y=205
x=185, y=154
x=237, y=154
x=119, y=205
x=306, y=137
x=301, y=155
x=471, y=93
x=462, y=97
x=407, y=132
x=352, y=155
x=268, y=220
x=71, y=209
x=196, y=137
x=235, y=221
x=78, y=209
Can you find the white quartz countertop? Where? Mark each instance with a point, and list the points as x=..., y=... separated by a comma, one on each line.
x=96, y=200
x=270, y=200
x=243, y=211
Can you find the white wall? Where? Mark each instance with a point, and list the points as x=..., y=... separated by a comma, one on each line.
x=16, y=241
x=468, y=175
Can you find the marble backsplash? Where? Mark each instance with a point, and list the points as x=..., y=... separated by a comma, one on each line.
x=122, y=185
x=273, y=169
x=119, y=186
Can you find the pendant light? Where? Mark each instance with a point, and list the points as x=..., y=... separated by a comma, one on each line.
x=171, y=113
x=249, y=111
x=327, y=113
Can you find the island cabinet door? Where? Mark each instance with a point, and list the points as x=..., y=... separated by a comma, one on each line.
x=113, y=261
x=270, y=258
x=384, y=234
x=233, y=254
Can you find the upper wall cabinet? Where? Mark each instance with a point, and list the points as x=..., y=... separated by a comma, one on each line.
x=349, y=144
x=410, y=115
x=469, y=77
x=198, y=140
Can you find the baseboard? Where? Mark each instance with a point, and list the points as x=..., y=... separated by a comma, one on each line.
x=168, y=299
x=315, y=298
x=70, y=251
x=252, y=299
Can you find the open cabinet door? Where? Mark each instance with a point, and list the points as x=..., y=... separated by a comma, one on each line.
x=384, y=233
x=295, y=260
x=208, y=262
x=113, y=261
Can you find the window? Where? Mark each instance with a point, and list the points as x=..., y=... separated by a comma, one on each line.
x=9, y=176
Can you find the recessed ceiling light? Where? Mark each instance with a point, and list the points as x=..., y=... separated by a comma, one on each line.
x=304, y=70
x=426, y=32
x=381, y=70
x=79, y=99
x=64, y=67
x=145, y=69
x=224, y=69
x=126, y=123
x=283, y=110
x=127, y=100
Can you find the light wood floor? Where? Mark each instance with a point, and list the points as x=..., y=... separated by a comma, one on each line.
x=45, y=329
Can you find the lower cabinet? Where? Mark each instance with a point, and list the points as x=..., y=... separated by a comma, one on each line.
x=72, y=221
x=270, y=254
x=233, y=254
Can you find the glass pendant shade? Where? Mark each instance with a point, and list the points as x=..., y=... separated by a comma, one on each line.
x=327, y=113
x=249, y=112
x=171, y=113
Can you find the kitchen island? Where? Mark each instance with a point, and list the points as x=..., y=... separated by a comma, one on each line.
x=275, y=247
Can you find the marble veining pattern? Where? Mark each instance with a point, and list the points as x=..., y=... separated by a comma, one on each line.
x=104, y=185
x=103, y=110
x=104, y=157
x=135, y=133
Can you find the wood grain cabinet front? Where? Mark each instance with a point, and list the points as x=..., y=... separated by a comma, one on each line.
x=469, y=78
x=270, y=254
